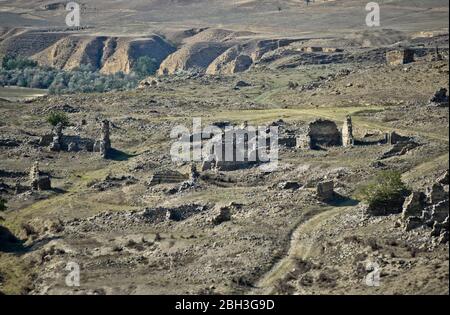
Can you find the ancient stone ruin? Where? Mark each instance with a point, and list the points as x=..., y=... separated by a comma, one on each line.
x=347, y=133
x=320, y=133
x=242, y=154
x=103, y=145
x=37, y=181
x=57, y=141
x=167, y=177
x=400, y=145
x=400, y=57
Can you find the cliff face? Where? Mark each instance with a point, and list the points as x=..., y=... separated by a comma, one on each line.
x=68, y=51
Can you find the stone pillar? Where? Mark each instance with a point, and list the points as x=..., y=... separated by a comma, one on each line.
x=57, y=137
x=347, y=133
x=34, y=176
x=105, y=142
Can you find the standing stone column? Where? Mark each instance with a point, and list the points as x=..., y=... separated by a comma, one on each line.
x=34, y=176
x=57, y=137
x=103, y=145
x=347, y=133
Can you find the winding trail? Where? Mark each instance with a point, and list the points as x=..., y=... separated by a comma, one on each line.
x=298, y=248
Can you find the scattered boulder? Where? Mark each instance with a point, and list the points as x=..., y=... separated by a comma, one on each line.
x=325, y=190
x=289, y=186
x=241, y=83
x=440, y=98
x=222, y=214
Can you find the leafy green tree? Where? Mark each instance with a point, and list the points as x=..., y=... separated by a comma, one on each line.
x=54, y=118
x=145, y=66
x=385, y=194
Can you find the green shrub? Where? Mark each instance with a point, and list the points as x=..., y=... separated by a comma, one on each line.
x=145, y=66
x=54, y=118
x=386, y=194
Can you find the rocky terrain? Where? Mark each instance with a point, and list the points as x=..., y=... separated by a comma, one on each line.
x=102, y=191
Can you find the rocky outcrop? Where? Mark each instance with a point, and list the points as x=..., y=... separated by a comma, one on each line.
x=192, y=57
x=222, y=214
x=107, y=54
x=430, y=209
x=231, y=61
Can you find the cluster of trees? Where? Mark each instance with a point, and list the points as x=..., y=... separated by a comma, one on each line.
x=18, y=71
x=11, y=63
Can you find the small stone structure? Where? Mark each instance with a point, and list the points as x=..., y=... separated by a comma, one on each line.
x=167, y=177
x=320, y=133
x=38, y=182
x=400, y=57
x=57, y=141
x=325, y=190
x=347, y=133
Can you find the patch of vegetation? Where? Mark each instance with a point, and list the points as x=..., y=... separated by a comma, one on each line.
x=385, y=194
x=80, y=80
x=17, y=63
x=145, y=66
x=54, y=118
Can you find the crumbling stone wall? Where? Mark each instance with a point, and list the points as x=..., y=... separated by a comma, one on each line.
x=320, y=133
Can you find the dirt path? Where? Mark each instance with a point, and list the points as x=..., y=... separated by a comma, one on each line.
x=298, y=249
